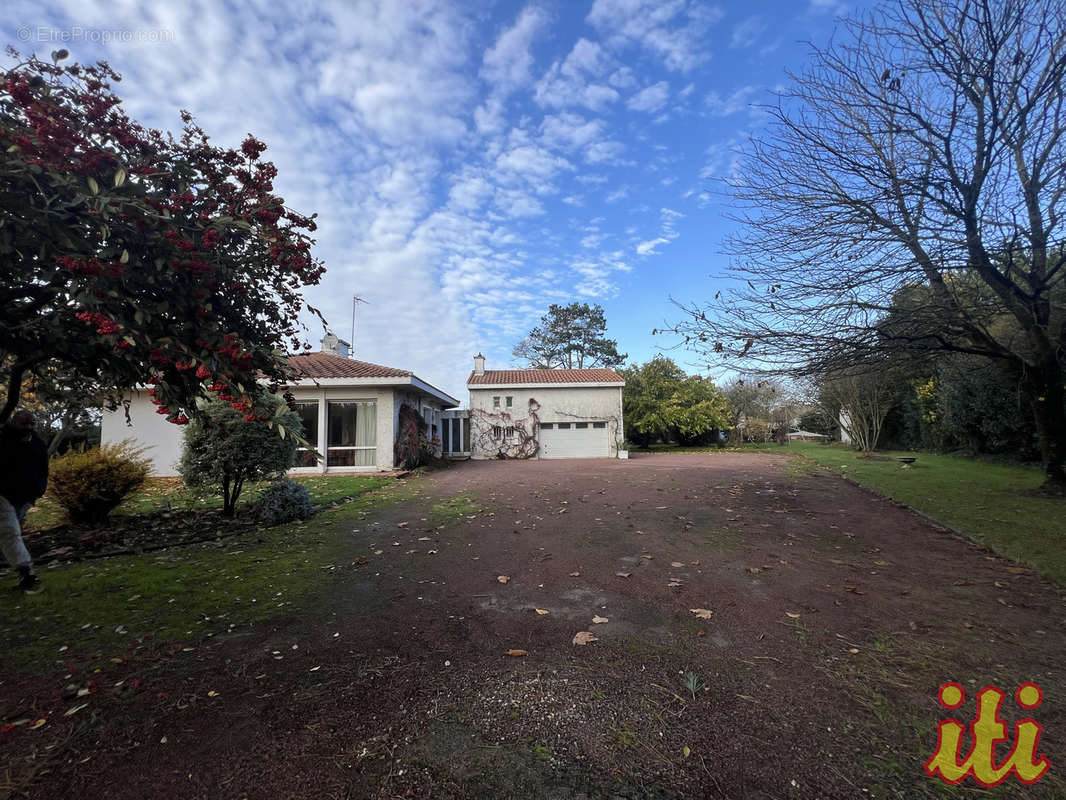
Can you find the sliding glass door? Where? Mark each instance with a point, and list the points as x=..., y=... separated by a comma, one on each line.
x=351, y=434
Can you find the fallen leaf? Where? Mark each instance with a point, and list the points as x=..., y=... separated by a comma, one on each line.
x=1001, y=585
x=702, y=613
x=401, y=524
x=648, y=556
x=696, y=563
x=598, y=620
x=38, y=724
x=673, y=584
x=792, y=614
x=701, y=634
x=517, y=653
x=504, y=578
x=623, y=574
x=541, y=611
x=212, y=693
x=584, y=637
x=853, y=650
x=676, y=564
x=747, y=697
x=574, y=574
x=72, y=711
x=640, y=532
x=752, y=570
x=686, y=751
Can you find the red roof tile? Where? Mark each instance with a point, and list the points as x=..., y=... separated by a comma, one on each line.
x=519, y=376
x=326, y=365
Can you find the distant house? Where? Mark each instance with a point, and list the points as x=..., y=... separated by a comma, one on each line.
x=350, y=410
x=806, y=436
x=540, y=413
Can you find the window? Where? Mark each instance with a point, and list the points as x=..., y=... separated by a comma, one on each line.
x=305, y=456
x=496, y=401
x=564, y=426
x=497, y=432
x=510, y=432
x=547, y=426
x=581, y=424
x=351, y=434
x=508, y=401
x=599, y=424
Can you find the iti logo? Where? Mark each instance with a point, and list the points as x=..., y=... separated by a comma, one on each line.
x=986, y=731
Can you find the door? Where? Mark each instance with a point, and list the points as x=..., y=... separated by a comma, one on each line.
x=574, y=440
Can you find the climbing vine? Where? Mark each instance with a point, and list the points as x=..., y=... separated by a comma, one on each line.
x=500, y=435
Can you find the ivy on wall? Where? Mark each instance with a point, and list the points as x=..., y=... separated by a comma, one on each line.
x=499, y=434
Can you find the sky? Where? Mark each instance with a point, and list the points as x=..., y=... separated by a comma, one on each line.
x=471, y=163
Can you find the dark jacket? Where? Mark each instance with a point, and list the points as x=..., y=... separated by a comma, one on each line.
x=23, y=465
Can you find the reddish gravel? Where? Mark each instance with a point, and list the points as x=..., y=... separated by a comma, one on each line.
x=836, y=615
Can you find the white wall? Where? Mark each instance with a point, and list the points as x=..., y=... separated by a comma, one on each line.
x=562, y=404
x=163, y=439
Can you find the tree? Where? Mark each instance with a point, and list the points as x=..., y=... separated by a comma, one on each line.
x=570, y=337
x=129, y=257
x=751, y=400
x=696, y=409
x=223, y=450
x=924, y=148
x=861, y=399
x=660, y=402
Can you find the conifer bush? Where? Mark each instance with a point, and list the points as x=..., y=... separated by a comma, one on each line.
x=90, y=483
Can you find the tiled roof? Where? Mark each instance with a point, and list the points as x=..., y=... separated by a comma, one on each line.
x=326, y=365
x=519, y=376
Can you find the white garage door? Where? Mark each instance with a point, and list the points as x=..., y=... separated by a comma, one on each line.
x=573, y=440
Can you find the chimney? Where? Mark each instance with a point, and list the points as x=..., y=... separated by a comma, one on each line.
x=334, y=345
x=479, y=364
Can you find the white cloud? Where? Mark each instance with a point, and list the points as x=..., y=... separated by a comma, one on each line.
x=648, y=248
x=607, y=152
x=509, y=62
x=572, y=81
x=747, y=32
x=738, y=100
x=650, y=98
x=675, y=30
x=568, y=131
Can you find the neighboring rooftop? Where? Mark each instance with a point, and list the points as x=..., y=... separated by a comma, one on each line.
x=499, y=377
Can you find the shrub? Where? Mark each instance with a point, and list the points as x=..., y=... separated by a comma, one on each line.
x=223, y=450
x=283, y=501
x=90, y=483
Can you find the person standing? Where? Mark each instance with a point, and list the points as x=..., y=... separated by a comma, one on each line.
x=23, y=478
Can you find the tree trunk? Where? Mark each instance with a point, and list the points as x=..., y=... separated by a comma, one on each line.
x=1047, y=396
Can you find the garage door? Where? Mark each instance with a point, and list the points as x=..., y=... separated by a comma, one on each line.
x=573, y=440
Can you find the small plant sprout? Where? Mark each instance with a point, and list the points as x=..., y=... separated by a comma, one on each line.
x=693, y=683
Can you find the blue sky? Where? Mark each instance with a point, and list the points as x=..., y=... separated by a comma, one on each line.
x=471, y=162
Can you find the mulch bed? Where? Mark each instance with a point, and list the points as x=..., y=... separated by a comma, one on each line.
x=127, y=534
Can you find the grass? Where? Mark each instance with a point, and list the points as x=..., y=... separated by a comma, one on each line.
x=169, y=494
x=188, y=593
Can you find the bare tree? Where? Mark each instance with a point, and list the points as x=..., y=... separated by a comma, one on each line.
x=861, y=399
x=922, y=152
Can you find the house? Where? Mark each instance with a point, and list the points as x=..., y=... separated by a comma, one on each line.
x=350, y=411
x=540, y=413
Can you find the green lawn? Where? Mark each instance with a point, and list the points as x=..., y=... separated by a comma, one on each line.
x=96, y=609
x=994, y=504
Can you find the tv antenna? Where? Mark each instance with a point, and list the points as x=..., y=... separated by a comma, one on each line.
x=356, y=300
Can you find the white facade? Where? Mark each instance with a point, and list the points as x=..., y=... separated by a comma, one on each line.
x=164, y=439
x=523, y=420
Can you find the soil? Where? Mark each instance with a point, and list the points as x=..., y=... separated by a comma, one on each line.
x=836, y=615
